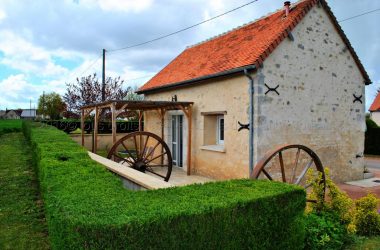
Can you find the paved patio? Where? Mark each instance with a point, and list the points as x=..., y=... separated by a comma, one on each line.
x=356, y=192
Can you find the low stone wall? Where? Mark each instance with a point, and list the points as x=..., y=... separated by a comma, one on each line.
x=104, y=140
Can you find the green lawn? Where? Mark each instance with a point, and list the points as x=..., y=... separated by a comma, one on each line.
x=372, y=243
x=7, y=126
x=22, y=221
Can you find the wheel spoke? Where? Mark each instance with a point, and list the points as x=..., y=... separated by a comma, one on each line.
x=282, y=166
x=160, y=165
x=122, y=159
x=128, y=152
x=295, y=166
x=137, y=152
x=150, y=171
x=151, y=152
x=267, y=175
x=307, y=186
x=143, y=151
x=158, y=156
x=304, y=171
x=313, y=201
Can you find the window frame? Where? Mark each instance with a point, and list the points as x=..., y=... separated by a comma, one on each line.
x=219, y=141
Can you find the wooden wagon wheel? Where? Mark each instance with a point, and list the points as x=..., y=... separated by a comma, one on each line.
x=280, y=172
x=145, y=152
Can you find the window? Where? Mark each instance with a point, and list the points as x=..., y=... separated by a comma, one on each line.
x=220, y=129
x=213, y=131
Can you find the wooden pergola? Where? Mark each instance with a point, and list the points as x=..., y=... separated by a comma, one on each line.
x=118, y=107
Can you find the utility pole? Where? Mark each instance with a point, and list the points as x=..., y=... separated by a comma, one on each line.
x=104, y=76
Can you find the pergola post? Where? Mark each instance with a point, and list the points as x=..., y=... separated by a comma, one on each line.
x=189, y=113
x=113, y=121
x=189, y=118
x=82, y=126
x=141, y=113
x=163, y=111
x=96, y=125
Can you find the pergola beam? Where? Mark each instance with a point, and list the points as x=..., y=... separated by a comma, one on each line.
x=118, y=107
x=113, y=121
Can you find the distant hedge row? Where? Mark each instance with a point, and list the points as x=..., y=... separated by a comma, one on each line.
x=69, y=126
x=88, y=208
x=372, y=141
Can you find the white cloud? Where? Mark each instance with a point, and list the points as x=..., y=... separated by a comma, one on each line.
x=3, y=15
x=17, y=91
x=118, y=5
x=22, y=55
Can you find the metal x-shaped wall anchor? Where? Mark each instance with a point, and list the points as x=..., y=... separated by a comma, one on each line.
x=357, y=98
x=243, y=126
x=272, y=89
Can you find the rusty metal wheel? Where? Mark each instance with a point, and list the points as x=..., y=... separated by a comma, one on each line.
x=282, y=164
x=145, y=152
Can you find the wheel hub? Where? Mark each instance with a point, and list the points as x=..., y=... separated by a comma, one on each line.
x=140, y=166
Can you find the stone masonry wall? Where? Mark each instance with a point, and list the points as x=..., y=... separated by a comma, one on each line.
x=317, y=78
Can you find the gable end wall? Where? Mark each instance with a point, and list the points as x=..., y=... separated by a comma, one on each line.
x=317, y=77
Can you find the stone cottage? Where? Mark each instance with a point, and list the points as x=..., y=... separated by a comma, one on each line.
x=309, y=88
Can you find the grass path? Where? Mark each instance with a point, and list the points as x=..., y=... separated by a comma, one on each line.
x=22, y=222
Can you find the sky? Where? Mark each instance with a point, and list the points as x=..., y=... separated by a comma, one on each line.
x=45, y=44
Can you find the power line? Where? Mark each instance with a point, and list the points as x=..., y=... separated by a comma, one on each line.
x=84, y=71
x=181, y=30
x=92, y=64
x=359, y=15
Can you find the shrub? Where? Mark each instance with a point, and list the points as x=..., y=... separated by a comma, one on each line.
x=367, y=219
x=370, y=123
x=329, y=223
x=324, y=231
x=335, y=201
x=372, y=141
x=87, y=207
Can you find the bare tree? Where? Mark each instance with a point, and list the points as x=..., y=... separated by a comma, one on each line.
x=88, y=90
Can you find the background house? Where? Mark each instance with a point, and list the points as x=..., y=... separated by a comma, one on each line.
x=28, y=114
x=12, y=114
x=375, y=109
x=309, y=89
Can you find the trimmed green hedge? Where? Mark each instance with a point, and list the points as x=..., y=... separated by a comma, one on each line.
x=87, y=207
x=9, y=126
x=372, y=141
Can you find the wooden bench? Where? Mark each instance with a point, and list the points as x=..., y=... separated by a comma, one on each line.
x=137, y=177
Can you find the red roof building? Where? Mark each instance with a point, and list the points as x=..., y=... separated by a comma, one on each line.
x=293, y=76
x=375, y=107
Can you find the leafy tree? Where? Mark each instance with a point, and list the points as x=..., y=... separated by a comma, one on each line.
x=88, y=90
x=51, y=105
x=132, y=96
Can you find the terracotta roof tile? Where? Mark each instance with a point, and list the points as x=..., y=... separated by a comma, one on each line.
x=248, y=45
x=376, y=104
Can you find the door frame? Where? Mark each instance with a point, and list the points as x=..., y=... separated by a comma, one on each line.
x=168, y=133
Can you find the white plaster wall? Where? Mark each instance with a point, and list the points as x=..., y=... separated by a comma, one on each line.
x=228, y=94
x=375, y=116
x=317, y=77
